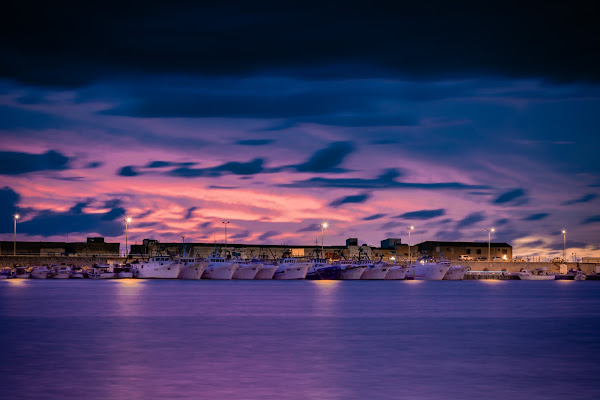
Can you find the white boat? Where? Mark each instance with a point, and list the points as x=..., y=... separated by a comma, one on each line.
x=375, y=270
x=266, y=272
x=159, y=267
x=580, y=276
x=397, y=272
x=456, y=273
x=349, y=269
x=538, y=274
x=290, y=268
x=191, y=268
x=62, y=272
x=247, y=269
x=430, y=271
x=101, y=271
x=77, y=274
x=219, y=268
x=39, y=272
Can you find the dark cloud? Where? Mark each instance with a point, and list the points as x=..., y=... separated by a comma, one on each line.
x=15, y=163
x=190, y=212
x=470, y=219
x=535, y=243
x=267, y=235
x=236, y=168
x=163, y=164
x=13, y=118
x=502, y=221
x=254, y=142
x=512, y=195
x=222, y=187
x=327, y=159
x=536, y=217
x=9, y=200
x=75, y=220
x=591, y=220
x=423, y=214
x=373, y=217
x=310, y=228
x=387, y=180
x=426, y=39
x=358, y=198
x=128, y=170
x=570, y=244
x=94, y=164
x=583, y=199
x=240, y=235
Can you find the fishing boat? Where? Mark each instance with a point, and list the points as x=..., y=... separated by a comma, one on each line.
x=101, y=271
x=375, y=270
x=247, y=269
x=349, y=269
x=157, y=267
x=39, y=272
x=320, y=269
x=538, y=274
x=266, y=272
x=291, y=268
x=219, y=267
x=61, y=272
x=397, y=272
x=428, y=269
x=456, y=273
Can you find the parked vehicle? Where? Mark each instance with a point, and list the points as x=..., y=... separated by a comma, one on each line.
x=481, y=259
x=557, y=260
x=465, y=257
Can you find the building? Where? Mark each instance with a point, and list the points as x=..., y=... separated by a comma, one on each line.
x=92, y=247
x=452, y=250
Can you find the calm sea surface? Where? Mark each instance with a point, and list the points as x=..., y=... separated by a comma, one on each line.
x=134, y=339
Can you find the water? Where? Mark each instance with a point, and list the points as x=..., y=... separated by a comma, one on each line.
x=138, y=339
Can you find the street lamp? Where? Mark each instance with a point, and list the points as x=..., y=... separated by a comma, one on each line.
x=564, y=232
x=225, y=223
x=324, y=226
x=127, y=222
x=409, y=228
x=15, y=217
x=489, y=231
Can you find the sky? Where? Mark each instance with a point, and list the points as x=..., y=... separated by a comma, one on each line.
x=451, y=117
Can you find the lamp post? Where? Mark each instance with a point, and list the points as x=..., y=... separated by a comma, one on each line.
x=127, y=222
x=15, y=217
x=409, y=228
x=324, y=226
x=225, y=223
x=564, y=232
x=489, y=231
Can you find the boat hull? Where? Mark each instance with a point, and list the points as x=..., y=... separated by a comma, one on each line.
x=428, y=271
x=224, y=271
x=456, y=273
x=397, y=273
x=352, y=273
x=192, y=271
x=266, y=272
x=375, y=272
x=247, y=271
x=292, y=271
x=527, y=277
x=39, y=275
x=166, y=271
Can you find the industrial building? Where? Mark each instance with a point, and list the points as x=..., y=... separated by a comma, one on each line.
x=94, y=246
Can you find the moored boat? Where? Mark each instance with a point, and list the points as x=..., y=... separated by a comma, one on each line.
x=375, y=270
x=219, y=267
x=266, y=272
x=428, y=270
x=291, y=268
x=456, y=273
x=191, y=268
x=39, y=272
x=247, y=269
x=61, y=272
x=101, y=271
x=538, y=274
x=158, y=267
x=397, y=272
x=320, y=269
x=349, y=269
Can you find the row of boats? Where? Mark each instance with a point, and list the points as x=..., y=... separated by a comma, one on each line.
x=217, y=267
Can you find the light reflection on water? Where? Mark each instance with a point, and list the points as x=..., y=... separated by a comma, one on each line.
x=299, y=340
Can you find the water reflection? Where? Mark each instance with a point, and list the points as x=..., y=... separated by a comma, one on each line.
x=15, y=282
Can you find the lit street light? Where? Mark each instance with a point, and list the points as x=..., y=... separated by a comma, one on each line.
x=324, y=226
x=225, y=223
x=127, y=222
x=564, y=232
x=409, y=228
x=15, y=217
x=489, y=231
